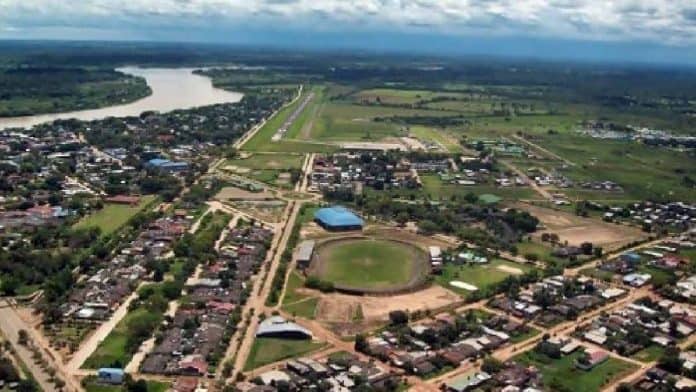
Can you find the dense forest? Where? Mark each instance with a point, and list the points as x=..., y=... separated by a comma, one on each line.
x=27, y=90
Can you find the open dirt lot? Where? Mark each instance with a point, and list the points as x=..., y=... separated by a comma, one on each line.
x=577, y=230
x=340, y=310
x=232, y=193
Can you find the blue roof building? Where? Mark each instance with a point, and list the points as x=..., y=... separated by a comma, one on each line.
x=110, y=375
x=167, y=166
x=338, y=218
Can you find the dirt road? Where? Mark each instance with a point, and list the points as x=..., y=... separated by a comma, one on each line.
x=11, y=324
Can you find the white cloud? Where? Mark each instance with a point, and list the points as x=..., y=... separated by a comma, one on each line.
x=662, y=21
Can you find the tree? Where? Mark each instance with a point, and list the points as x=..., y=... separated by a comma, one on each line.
x=398, y=317
x=9, y=285
x=586, y=248
x=360, y=343
x=23, y=337
x=670, y=361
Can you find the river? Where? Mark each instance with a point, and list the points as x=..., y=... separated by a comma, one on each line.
x=172, y=88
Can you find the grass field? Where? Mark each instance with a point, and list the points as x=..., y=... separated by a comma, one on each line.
x=261, y=161
x=369, y=263
x=481, y=276
x=438, y=136
x=113, y=350
x=305, y=308
x=113, y=216
x=262, y=139
x=435, y=189
x=269, y=350
x=92, y=385
x=644, y=172
x=561, y=374
x=649, y=354
x=541, y=250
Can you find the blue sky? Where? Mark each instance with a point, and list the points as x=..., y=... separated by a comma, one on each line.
x=631, y=30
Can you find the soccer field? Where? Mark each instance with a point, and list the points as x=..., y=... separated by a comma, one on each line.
x=369, y=263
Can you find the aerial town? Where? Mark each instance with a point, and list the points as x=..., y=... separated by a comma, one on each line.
x=333, y=230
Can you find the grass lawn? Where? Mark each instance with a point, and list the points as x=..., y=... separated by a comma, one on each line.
x=268, y=161
x=368, y=263
x=92, y=385
x=481, y=276
x=659, y=276
x=541, y=250
x=113, y=216
x=295, y=282
x=304, y=308
x=437, y=136
x=436, y=189
x=113, y=349
x=561, y=374
x=270, y=350
x=649, y=354
x=597, y=273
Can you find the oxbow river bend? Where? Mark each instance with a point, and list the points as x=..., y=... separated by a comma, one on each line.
x=172, y=88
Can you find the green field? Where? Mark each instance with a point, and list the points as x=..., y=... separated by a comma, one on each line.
x=368, y=263
x=305, y=308
x=92, y=385
x=261, y=161
x=561, y=374
x=262, y=139
x=265, y=351
x=481, y=276
x=113, y=216
x=438, y=136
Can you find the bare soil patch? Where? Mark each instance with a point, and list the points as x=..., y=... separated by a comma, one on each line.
x=576, y=230
x=233, y=193
x=338, y=311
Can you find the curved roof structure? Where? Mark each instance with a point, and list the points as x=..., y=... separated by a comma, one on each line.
x=276, y=326
x=338, y=216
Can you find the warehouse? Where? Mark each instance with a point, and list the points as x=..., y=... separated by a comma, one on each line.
x=338, y=218
x=304, y=253
x=278, y=327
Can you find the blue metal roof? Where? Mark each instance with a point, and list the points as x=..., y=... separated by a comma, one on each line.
x=111, y=371
x=338, y=216
x=158, y=161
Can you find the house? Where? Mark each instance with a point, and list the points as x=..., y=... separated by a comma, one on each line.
x=591, y=359
x=110, y=375
x=304, y=253
x=467, y=381
x=636, y=279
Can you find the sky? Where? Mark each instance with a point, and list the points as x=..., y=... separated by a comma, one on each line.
x=634, y=30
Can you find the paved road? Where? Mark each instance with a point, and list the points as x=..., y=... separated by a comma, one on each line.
x=250, y=134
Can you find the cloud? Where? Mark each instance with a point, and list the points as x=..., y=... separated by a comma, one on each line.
x=660, y=21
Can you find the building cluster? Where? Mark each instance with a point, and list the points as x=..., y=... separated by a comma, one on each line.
x=94, y=299
x=633, y=267
x=557, y=298
x=424, y=348
x=678, y=215
x=195, y=340
x=656, y=379
x=604, y=130
x=340, y=372
x=640, y=325
x=512, y=377
x=351, y=172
